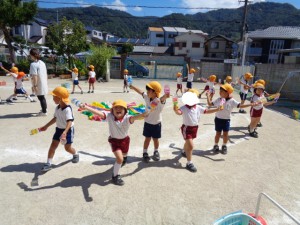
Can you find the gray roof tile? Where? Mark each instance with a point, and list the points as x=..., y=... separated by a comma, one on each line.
x=277, y=32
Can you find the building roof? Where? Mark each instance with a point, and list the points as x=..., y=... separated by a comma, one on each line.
x=144, y=49
x=156, y=29
x=41, y=22
x=277, y=32
x=169, y=29
x=181, y=29
x=228, y=39
x=34, y=39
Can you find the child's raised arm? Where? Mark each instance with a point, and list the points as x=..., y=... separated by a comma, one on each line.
x=209, y=111
x=136, y=89
x=95, y=111
x=177, y=110
x=139, y=116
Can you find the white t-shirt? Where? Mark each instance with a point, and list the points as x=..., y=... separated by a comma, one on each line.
x=211, y=86
x=190, y=77
x=19, y=83
x=256, y=98
x=191, y=116
x=92, y=74
x=179, y=80
x=125, y=77
x=38, y=68
x=154, y=116
x=117, y=128
x=74, y=76
x=243, y=89
x=228, y=106
x=63, y=116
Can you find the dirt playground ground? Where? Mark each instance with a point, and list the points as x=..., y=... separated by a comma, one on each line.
x=162, y=192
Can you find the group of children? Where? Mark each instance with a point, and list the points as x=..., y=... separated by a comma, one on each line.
x=119, y=121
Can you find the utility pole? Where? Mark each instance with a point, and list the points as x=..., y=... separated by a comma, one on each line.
x=57, y=16
x=244, y=34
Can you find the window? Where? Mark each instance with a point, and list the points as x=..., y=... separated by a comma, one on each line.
x=196, y=45
x=159, y=35
x=214, y=45
x=100, y=34
x=18, y=30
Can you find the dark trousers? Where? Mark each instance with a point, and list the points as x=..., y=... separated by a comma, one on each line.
x=43, y=103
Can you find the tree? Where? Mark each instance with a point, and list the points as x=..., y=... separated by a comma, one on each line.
x=67, y=38
x=14, y=13
x=99, y=56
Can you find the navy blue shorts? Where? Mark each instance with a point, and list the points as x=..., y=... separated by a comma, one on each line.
x=222, y=124
x=75, y=82
x=20, y=91
x=243, y=96
x=188, y=84
x=70, y=134
x=151, y=130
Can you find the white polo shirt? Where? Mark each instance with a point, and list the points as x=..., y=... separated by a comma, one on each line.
x=63, y=116
x=256, y=98
x=74, y=76
x=38, y=68
x=191, y=116
x=228, y=106
x=179, y=80
x=211, y=85
x=190, y=77
x=154, y=116
x=117, y=128
x=243, y=89
x=92, y=74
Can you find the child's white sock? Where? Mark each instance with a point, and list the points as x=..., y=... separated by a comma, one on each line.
x=251, y=130
x=28, y=96
x=216, y=143
x=189, y=162
x=156, y=150
x=116, y=169
x=145, y=150
x=49, y=160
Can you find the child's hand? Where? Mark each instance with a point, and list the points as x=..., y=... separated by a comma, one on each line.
x=175, y=107
x=44, y=128
x=220, y=108
x=146, y=113
x=82, y=106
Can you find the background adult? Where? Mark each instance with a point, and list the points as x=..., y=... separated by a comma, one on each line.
x=38, y=72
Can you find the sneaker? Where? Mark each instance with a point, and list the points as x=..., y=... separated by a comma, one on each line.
x=156, y=156
x=117, y=180
x=72, y=92
x=33, y=100
x=216, y=149
x=191, y=167
x=32, y=95
x=224, y=150
x=92, y=92
x=9, y=101
x=75, y=158
x=46, y=167
x=88, y=92
x=146, y=157
x=259, y=124
x=124, y=161
x=81, y=92
x=42, y=114
x=253, y=134
x=183, y=154
x=242, y=111
x=14, y=99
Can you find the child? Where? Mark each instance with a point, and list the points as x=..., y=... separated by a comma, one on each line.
x=118, y=122
x=18, y=79
x=179, y=83
x=64, y=119
x=152, y=125
x=191, y=115
x=210, y=82
x=256, y=110
x=125, y=87
x=92, y=78
x=190, y=77
x=228, y=80
x=222, y=119
x=75, y=79
x=265, y=94
x=244, y=81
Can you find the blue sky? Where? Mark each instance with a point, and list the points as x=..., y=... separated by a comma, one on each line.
x=143, y=7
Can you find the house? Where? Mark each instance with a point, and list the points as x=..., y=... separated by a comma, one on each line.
x=156, y=36
x=266, y=46
x=190, y=45
x=96, y=36
x=220, y=47
x=33, y=32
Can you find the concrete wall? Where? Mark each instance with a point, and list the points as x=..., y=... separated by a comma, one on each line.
x=275, y=74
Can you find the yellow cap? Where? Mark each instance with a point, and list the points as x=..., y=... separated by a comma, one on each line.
x=91, y=67
x=154, y=85
x=14, y=69
x=228, y=79
x=212, y=77
x=119, y=102
x=62, y=93
x=125, y=71
x=75, y=70
x=179, y=74
x=192, y=70
x=261, y=81
x=248, y=76
x=194, y=91
x=259, y=85
x=20, y=75
x=228, y=88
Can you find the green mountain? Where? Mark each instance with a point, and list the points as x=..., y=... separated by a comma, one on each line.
x=227, y=22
